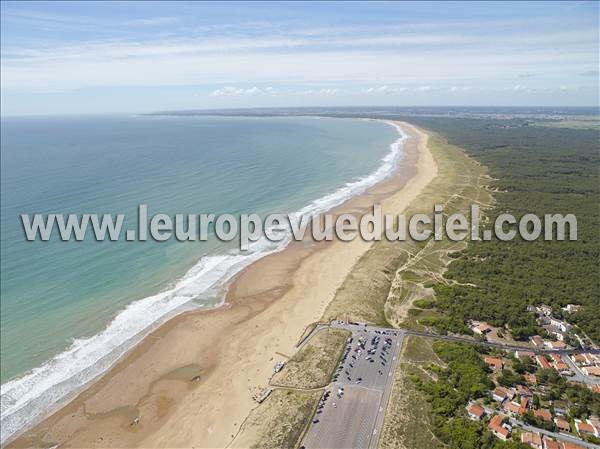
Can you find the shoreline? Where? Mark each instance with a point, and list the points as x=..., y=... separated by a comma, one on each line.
x=269, y=303
x=62, y=377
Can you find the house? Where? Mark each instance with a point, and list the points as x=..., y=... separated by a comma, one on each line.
x=523, y=391
x=500, y=394
x=571, y=308
x=498, y=428
x=545, y=309
x=482, y=329
x=591, y=370
x=475, y=411
x=537, y=341
x=555, y=345
x=560, y=365
x=584, y=428
x=562, y=425
x=543, y=414
x=533, y=439
x=556, y=332
x=530, y=378
x=562, y=325
x=550, y=444
x=524, y=355
x=513, y=408
x=494, y=363
x=563, y=368
x=585, y=359
x=541, y=360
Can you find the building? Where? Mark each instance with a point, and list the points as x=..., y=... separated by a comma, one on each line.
x=585, y=359
x=543, y=414
x=571, y=308
x=562, y=425
x=500, y=394
x=482, y=329
x=475, y=411
x=541, y=360
x=556, y=332
x=494, y=363
x=545, y=309
x=555, y=344
x=591, y=370
x=499, y=429
x=560, y=365
x=533, y=439
x=537, y=341
x=550, y=444
x=562, y=325
x=513, y=408
x=584, y=428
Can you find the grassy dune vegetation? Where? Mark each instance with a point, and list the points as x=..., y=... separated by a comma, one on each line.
x=279, y=422
x=391, y=275
x=313, y=365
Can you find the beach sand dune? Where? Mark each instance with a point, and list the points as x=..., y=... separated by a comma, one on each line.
x=190, y=383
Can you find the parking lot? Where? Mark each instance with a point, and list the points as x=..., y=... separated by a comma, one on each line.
x=351, y=411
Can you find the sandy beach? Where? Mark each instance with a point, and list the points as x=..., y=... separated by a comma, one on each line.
x=149, y=398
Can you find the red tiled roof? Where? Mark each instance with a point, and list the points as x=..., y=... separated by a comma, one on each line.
x=585, y=427
x=543, y=362
x=496, y=426
x=531, y=438
x=562, y=424
x=550, y=444
x=493, y=361
x=475, y=410
x=544, y=414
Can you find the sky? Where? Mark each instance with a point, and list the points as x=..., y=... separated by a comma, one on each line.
x=132, y=57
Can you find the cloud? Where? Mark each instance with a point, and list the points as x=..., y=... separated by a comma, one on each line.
x=423, y=89
x=459, y=89
x=590, y=73
x=329, y=91
x=384, y=90
x=231, y=91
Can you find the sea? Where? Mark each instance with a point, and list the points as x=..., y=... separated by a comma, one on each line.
x=69, y=310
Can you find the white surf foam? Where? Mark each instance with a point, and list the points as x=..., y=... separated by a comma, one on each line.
x=26, y=400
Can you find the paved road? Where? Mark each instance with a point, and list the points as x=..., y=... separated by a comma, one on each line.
x=501, y=345
x=457, y=338
x=558, y=436
x=354, y=418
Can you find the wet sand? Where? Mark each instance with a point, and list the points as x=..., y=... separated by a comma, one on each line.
x=190, y=383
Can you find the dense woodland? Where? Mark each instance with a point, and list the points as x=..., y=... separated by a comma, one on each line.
x=537, y=170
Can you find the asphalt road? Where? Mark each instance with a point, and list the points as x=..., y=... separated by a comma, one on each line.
x=354, y=418
x=558, y=436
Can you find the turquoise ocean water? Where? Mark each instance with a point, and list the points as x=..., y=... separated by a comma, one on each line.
x=70, y=309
